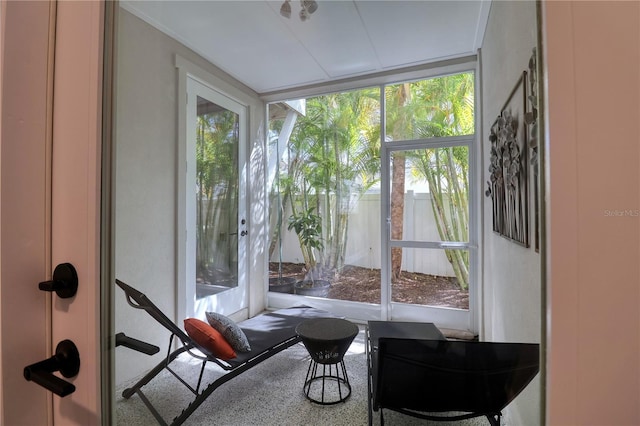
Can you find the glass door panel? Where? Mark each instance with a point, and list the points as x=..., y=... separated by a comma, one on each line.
x=429, y=278
x=430, y=187
x=431, y=255
x=216, y=198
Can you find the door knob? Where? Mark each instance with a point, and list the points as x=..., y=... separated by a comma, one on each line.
x=64, y=282
x=66, y=361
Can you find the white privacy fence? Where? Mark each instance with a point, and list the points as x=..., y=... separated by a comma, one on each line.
x=363, y=237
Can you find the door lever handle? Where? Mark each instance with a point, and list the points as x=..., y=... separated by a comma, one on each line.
x=66, y=361
x=135, y=344
x=64, y=282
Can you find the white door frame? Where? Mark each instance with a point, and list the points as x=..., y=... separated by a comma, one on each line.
x=234, y=299
x=185, y=300
x=441, y=316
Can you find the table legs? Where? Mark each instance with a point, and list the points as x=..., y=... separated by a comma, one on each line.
x=327, y=384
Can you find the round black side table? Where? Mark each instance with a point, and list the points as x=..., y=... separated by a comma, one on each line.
x=327, y=340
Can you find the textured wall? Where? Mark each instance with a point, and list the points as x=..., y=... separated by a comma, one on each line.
x=512, y=278
x=146, y=202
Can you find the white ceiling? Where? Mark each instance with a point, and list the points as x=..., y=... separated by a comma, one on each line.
x=251, y=40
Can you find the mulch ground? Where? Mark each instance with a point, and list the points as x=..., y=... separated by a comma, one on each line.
x=363, y=285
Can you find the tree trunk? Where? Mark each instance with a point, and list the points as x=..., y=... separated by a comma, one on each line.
x=277, y=228
x=397, y=212
x=397, y=182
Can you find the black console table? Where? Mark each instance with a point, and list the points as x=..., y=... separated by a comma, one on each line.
x=391, y=329
x=415, y=371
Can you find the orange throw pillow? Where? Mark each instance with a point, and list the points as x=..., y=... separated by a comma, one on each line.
x=209, y=338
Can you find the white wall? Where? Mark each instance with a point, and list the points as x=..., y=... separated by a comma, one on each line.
x=144, y=183
x=512, y=275
x=146, y=139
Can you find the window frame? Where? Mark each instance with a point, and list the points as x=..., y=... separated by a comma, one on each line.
x=440, y=69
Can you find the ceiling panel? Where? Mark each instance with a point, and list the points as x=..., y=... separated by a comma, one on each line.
x=266, y=51
x=336, y=37
x=412, y=32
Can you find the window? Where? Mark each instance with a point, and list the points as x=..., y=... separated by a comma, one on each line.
x=327, y=162
x=334, y=181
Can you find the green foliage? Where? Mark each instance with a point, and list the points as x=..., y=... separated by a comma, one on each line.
x=448, y=103
x=216, y=190
x=308, y=227
x=334, y=158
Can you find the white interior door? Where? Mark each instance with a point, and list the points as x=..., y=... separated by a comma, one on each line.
x=50, y=192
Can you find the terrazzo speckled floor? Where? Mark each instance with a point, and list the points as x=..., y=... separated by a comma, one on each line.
x=269, y=394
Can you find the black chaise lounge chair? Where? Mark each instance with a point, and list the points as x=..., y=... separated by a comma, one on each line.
x=268, y=334
x=442, y=380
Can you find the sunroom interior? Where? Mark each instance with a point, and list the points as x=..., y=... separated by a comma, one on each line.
x=181, y=64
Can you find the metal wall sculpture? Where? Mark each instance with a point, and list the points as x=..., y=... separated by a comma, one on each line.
x=508, y=168
x=531, y=118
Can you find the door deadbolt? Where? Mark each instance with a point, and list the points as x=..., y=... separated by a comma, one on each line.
x=64, y=282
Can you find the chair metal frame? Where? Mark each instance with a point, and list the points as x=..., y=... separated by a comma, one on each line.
x=233, y=368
